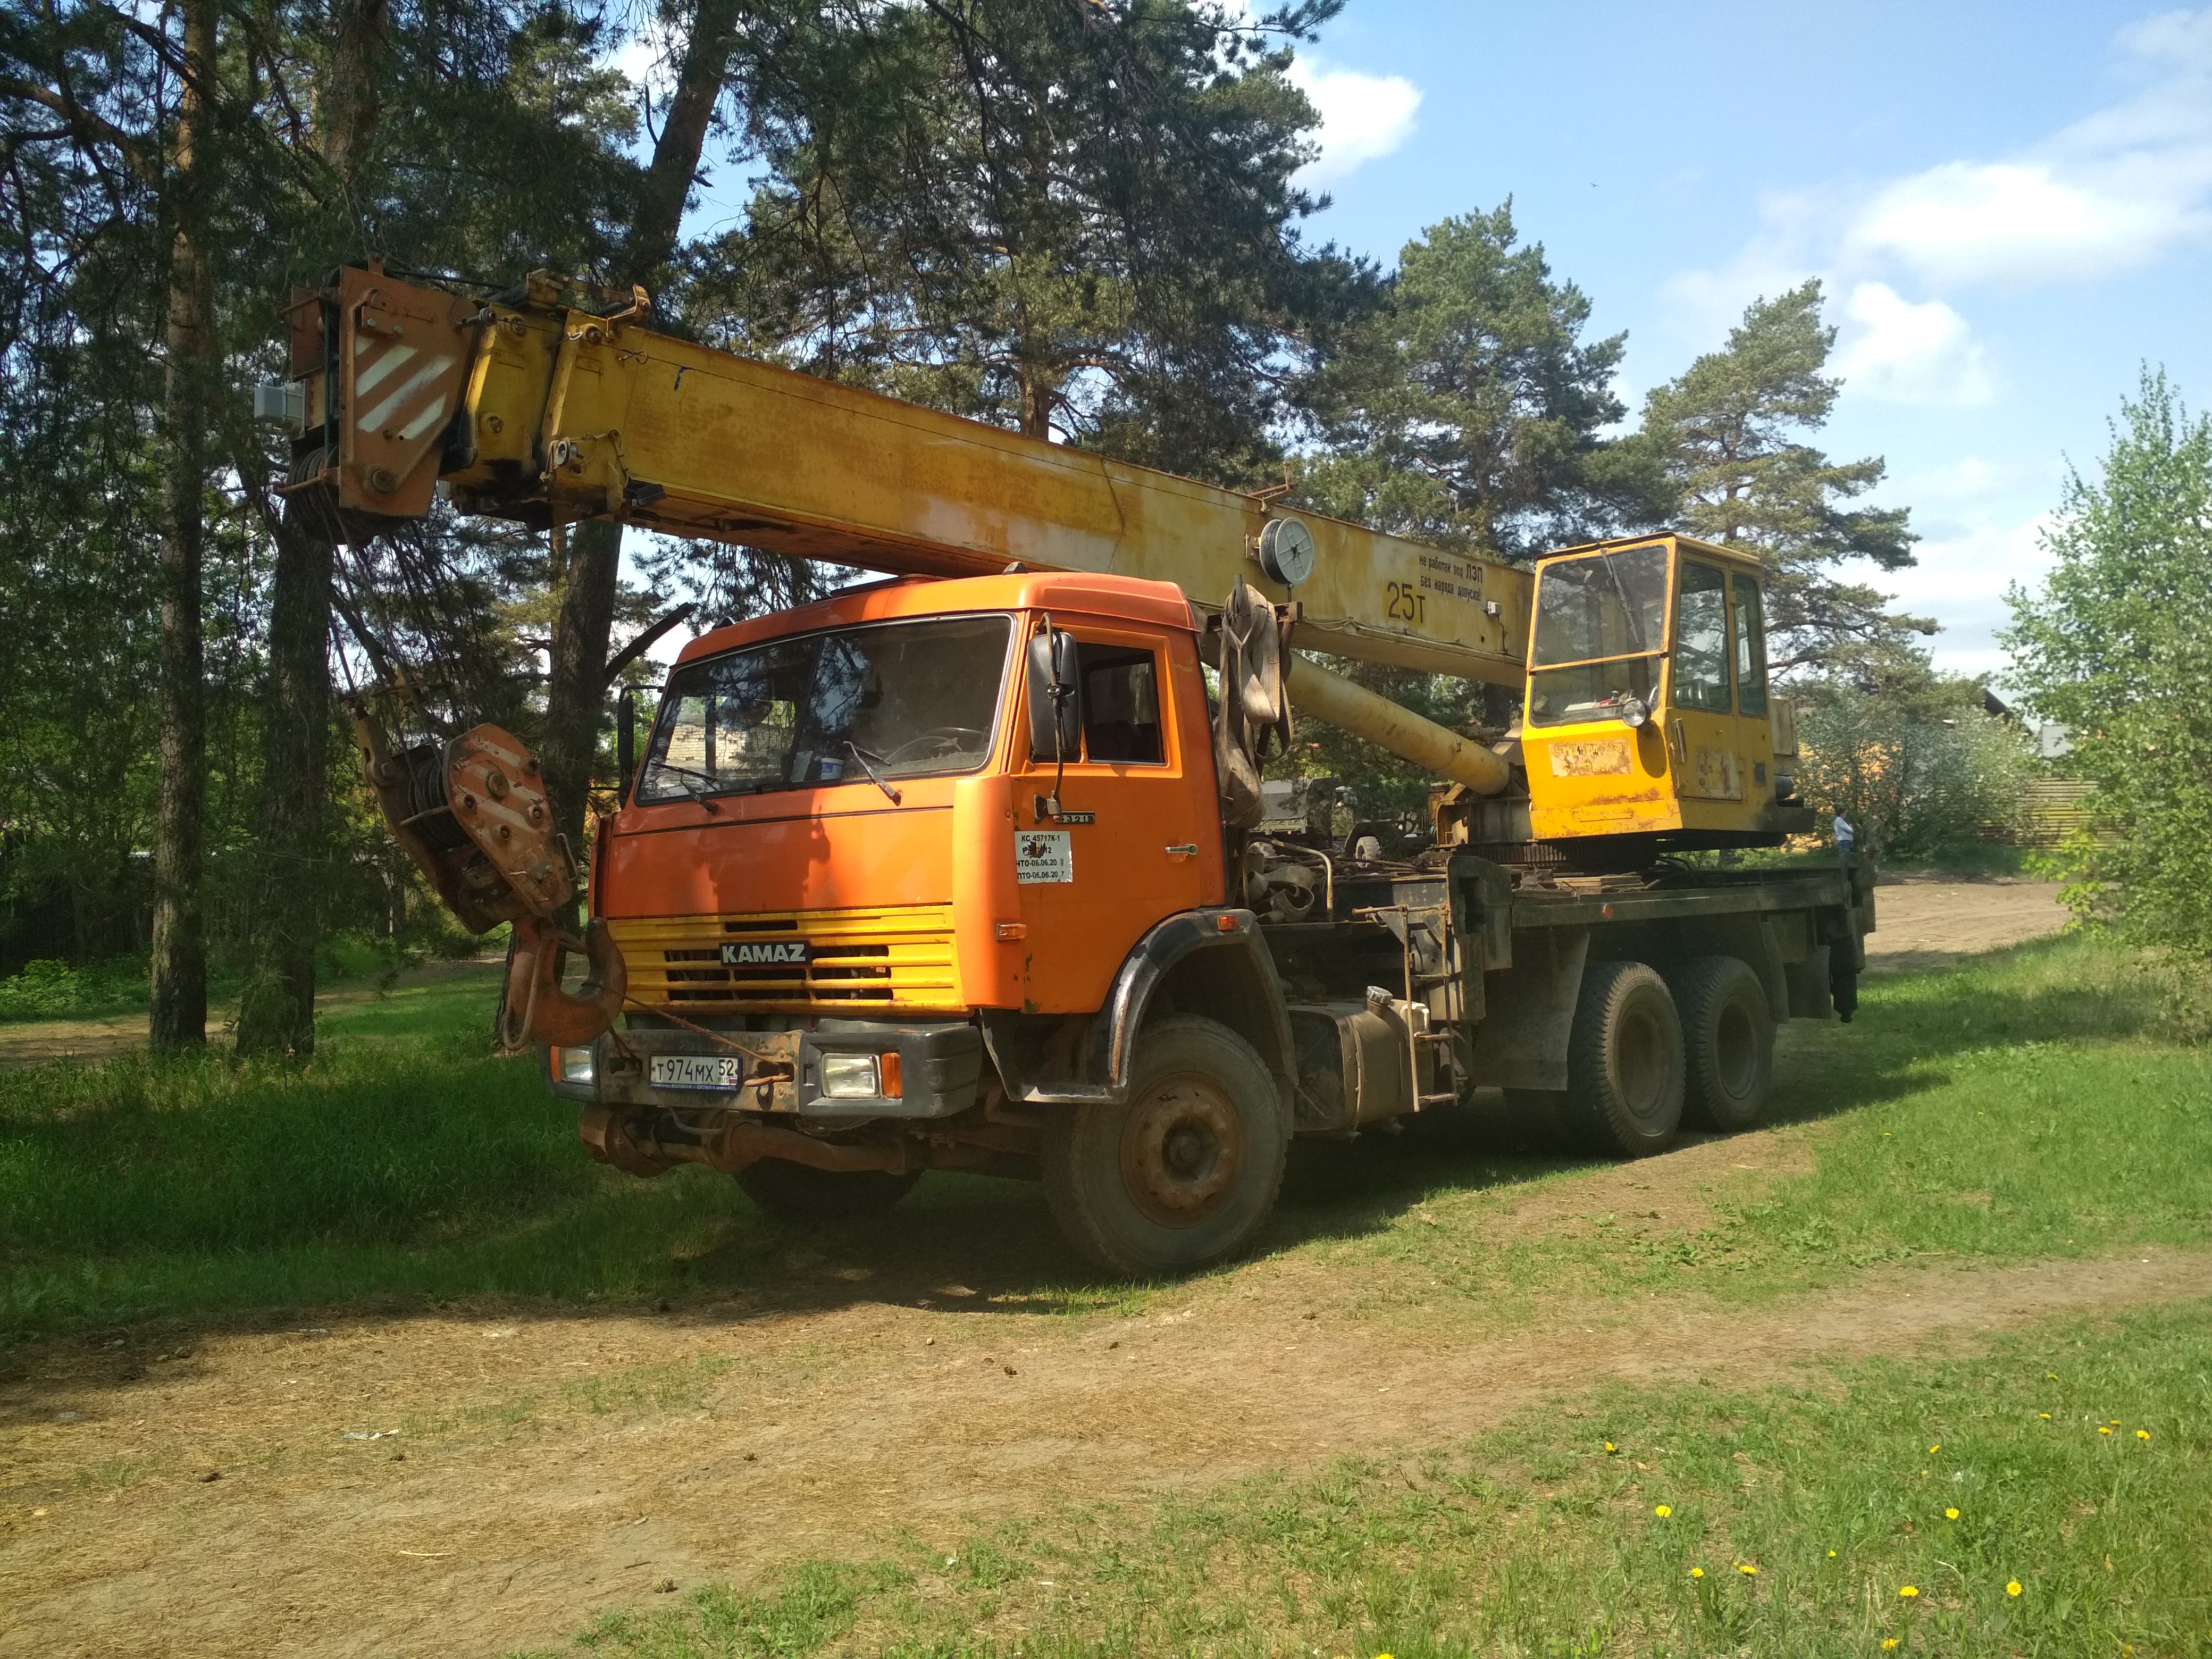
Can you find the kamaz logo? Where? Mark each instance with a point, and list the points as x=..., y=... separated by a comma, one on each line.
x=768, y=954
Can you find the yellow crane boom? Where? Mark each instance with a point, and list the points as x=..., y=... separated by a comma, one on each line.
x=544, y=412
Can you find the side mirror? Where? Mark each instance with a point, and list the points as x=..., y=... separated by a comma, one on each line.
x=1056, y=697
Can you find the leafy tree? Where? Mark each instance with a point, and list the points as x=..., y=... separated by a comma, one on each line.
x=1917, y=770
x=2116, y=647
x=1468, y=410
x=1731, y=432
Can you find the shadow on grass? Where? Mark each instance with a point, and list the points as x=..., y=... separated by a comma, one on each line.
x=397, y=1175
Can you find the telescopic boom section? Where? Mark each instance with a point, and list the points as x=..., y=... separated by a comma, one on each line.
x=544, y=412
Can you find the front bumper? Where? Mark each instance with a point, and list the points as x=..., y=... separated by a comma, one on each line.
x=940, y=1066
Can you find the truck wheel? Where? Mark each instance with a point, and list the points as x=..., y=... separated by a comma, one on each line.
x=1728, y=1039
x=1625, y=1061
x=1183, y=1171
x=800, y=1192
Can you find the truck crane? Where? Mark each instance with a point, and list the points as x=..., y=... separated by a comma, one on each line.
x=972, y=868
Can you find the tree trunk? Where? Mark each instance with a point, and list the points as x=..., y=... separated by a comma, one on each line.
x=177, y=1015
x=351, y=103
x=576, y=687
x=690, y=111
x=276, y=1011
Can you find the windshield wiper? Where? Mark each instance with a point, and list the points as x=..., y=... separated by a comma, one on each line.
x=683, y=772
x=864, y=756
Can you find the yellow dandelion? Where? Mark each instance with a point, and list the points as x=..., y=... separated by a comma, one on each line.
x=1910, y=1591
x=1609, y=1446
x=1831, y=1555
x=1662, y=1510
x=1697, y=1573
x=1746, y=1569
x=2143, y=1434
x=1933, y=1449
x=2101, y=1429
x=1950, y=1515
x=2045, y=1416
x=1889, y=1641
x=2011, y=1587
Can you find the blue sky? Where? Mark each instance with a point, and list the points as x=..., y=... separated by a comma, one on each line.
x=2010, y=206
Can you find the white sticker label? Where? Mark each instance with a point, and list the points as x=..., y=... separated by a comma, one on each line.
x=1043, y=855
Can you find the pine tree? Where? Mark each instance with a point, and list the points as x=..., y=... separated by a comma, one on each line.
x=1730, y=432
x=1468, y=410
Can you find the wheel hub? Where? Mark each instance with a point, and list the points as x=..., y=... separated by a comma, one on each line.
x=1181, y=1152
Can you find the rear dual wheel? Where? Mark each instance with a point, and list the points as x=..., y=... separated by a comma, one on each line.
x=1624, y=1068
x=1728, y=1033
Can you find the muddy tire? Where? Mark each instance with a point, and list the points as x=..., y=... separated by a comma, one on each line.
x=1185, y=1170
x=800, y=1192
x=1727, y=1043
x=1625, y=1071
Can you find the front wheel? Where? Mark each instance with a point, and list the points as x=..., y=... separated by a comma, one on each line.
x=1183, y=1171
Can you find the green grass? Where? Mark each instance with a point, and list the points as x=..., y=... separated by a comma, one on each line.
x=2046, y=1102
x=55, y=990
x=2035, y=1104
x=1536, y=1540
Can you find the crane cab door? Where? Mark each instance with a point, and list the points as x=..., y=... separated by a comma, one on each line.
x=1717, y=728
x=1137, y=837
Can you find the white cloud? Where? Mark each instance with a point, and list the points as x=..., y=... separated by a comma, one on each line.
x=1965, y=567
x=1363, y=116
x=1905, y=353
x=2117, y=189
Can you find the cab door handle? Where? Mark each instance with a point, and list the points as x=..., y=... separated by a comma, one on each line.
x=1187, y=850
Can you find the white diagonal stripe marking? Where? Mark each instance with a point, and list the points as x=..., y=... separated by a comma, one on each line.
x=367, y=380
x=415, y=382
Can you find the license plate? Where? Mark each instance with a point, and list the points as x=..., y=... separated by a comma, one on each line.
x=717, y=1072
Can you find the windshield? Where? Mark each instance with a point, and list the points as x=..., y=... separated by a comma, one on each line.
x=1611, y=604
x=896, y=699
x=1592, y=690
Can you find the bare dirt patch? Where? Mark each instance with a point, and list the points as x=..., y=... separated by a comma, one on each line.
x=1937, y=924
x=550, y=1467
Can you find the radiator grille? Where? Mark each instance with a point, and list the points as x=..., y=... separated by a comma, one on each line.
x=897, y=958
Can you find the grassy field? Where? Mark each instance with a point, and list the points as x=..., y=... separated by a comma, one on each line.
x=2054, y=1100
x=2051, y=1498
x=2046, y=1104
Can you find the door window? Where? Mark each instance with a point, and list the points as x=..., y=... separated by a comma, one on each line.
x=1701, y=654
x=1750, y=648
x=1121, y=705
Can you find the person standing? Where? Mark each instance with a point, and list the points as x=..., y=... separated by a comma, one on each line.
x=1846, y=837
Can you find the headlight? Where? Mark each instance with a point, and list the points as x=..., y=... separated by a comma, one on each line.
x=849, y=1077
x=573, y=1064
x=1633, y=711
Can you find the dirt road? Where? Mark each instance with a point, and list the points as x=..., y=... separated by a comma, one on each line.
x=549, y=1466
x=1935, y=923
x=238, y=1489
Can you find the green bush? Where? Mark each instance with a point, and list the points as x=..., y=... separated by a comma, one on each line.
x=1914, y=782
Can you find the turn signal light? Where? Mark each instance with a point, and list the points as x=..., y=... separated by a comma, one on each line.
x=893, y=1089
